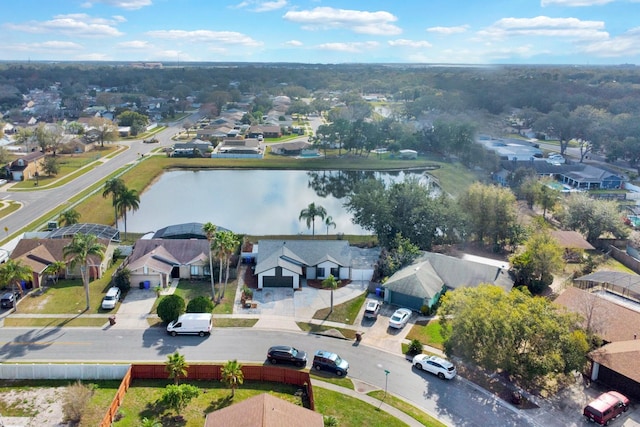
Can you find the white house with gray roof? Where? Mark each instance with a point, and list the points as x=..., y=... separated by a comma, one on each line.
x=286, y=263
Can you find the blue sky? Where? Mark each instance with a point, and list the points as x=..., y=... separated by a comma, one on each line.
x=585, y=32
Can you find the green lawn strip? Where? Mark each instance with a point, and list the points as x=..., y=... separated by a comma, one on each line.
x=68, y=297
x=55, y=322
x=191, y=289
x=342, y=313
x=407, y=408
x=322, y=330
x=428, y=333
x=142, y=400
x=331, y=378
x=233, y=322
x=9, y=208
x=351, y=412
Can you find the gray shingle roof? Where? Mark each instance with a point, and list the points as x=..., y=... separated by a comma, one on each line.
x=298, y=253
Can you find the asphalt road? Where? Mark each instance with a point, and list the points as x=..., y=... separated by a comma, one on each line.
x=454, y=402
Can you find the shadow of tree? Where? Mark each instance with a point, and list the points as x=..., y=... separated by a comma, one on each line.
x=169, y=420
x=220, y=403
x=152, y=410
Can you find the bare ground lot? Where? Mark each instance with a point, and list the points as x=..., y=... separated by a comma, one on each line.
x=41, y=407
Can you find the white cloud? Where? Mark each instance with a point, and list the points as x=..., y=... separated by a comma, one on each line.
x=627, y=44
x=353, y=47
x=293, y=43
x=544, y=26
x=95, y=56
x=76, y=25
x=574, y=3
x=409, y=43
x=122, y=4
x=135, y=44
x=48, y=46
x=206, y=36
x=361, y=22
x=260, y=5
x=448, y=30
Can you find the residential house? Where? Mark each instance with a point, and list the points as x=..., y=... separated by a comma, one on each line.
x=422, y=283
x=269, y=131
x=26, y=167
x=573, y=244
x=293, y=148
x=38, y=254
x=617, y=323
x=288, y=263
x=158, y=261
x=234, y=146
x=189, y=230
x=195, y=148
x=577, y=175
x=264, y=410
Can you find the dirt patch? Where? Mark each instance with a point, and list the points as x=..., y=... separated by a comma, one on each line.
x=41, y=407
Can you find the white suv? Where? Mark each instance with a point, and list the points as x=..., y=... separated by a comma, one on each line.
x=436, y=365
x=111, y=298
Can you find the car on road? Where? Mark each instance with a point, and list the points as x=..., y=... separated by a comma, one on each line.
x=606, y=407
x=435, y=365
x=151, y=141
x=9, y=299
x=328, y=361
x=372, y=309
x=111, y=298
x=287, y=354
x=399, y=318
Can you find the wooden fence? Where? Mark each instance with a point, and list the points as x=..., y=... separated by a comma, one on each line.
x=210, y=373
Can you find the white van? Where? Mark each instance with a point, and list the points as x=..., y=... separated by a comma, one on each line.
x=191, y=323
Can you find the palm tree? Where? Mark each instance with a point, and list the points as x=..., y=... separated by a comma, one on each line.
x=69, y=217
x=79, y=252
x=55, y=268
x=328, y=221
x=331, y=283
x=229, y=241
x=310, y=213
x=128, y=199
x=13, y=272
x=232, y=375
x=113, y=187
x=210, y=230
x=217, y=246
x=176, y=367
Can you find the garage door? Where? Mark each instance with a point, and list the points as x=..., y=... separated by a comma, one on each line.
x=277, y=282
x=407, y=301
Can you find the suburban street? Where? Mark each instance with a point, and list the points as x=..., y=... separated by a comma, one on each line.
x=454, y=402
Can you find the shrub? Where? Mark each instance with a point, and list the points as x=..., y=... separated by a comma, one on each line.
x=415, y=347
x=170, y=308
x=200, y=304
x=177, y=397
x=76, y=398
x=122, y=279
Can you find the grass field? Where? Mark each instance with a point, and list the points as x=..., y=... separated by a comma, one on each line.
x=427, y=333
x=342, y=313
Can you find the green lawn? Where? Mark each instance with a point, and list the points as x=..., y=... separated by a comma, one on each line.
x=407, y=408
x=54, y=322
x=427, y=333
x=318, y=329
x=68, y=297
x=342, y=313
x=191, y=289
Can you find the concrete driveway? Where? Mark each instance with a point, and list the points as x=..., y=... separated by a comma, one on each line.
x=377, y=332
x=134, y=309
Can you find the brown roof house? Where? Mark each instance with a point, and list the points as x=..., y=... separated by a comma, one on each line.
x=617, y=363
x=26, y=167
x=573, y=244
x=264, y=410
x=155, y=262
x=38, y=254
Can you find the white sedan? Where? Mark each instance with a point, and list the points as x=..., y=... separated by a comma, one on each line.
x=400, y=318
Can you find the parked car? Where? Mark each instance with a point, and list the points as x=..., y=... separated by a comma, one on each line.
x=400, y=318
x=436, y=365
x=325, y=360
x=606, y=407
x=9, y=299
x=111, y=298
x=287, y=354
x=372, y=309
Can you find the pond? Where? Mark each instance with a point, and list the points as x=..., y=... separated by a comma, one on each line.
x=255, y=202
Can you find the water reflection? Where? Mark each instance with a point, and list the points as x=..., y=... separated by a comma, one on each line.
x=257, y=202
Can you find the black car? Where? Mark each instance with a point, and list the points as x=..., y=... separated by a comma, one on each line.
x=8, y=299
x=286, y=354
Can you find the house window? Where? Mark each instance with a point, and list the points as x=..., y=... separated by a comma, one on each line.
x=145, y=270
x=320, y=272
x=335, y=272
x=194, y=270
